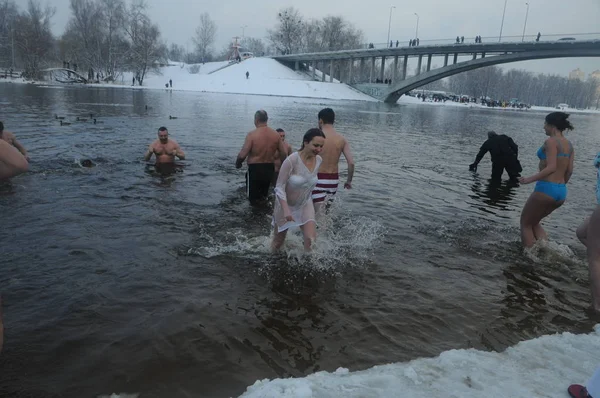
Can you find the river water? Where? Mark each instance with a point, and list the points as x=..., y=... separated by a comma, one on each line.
x=115, y=279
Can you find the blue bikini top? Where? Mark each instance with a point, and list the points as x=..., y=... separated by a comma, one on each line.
x=541, y=153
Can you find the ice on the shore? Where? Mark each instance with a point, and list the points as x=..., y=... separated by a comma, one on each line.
x=542, y=367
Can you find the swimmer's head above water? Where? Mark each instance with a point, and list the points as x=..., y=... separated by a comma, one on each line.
x=163, y=135
x=491, y=134
x=261, y=118
x=281, y=134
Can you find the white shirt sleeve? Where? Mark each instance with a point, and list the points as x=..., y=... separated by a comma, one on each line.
x=284, y=175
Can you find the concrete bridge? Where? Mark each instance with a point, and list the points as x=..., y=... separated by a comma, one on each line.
x=479, y=55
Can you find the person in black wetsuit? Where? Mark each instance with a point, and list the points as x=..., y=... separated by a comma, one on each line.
x=504, y=153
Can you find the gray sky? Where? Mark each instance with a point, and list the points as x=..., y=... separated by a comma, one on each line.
x=438, y=19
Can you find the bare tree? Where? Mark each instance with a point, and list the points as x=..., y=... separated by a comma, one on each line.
x=83, y=35
x=113, y=20
x=8, y=17
x=176, y=53
x=287, y=35
x=255, y=46
x=34, y=37
x=145, y=48
x=205, y=36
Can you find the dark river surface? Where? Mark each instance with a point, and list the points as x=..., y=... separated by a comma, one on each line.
x=116, y=280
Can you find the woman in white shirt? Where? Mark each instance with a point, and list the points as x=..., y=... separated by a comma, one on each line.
x=296, y=181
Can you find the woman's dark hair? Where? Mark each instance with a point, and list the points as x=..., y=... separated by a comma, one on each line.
x=559, y=120
x=310, y=134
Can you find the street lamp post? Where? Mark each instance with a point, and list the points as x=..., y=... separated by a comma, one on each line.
x=417, y=30
x=390, y=24
x=502, y=25
x=525, y=25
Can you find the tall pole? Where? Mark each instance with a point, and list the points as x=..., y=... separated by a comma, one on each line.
x=417, y=30
x=12, y=39
x=244, y=31
x=525, y=25
x=502, y=25
x=390, y=24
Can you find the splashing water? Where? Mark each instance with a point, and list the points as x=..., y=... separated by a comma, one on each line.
x=343, y=239
x=547, y=251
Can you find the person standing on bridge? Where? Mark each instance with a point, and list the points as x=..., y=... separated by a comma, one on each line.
x=504, y=153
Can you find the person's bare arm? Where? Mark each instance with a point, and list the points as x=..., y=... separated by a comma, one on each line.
x=178, y=152
x=244, y=152
x=282, y=150
x=149, y=153
x=289, y=149
x=551, y=164
x=20, y=147
x=12, y=162
x=350, y=160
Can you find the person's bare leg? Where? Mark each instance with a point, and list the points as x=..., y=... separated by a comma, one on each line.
x=278, y=239
x=582, y=231
x=538, y=231
x=537, y=207
x=593, y=255
x=319, y=210
x=309, y=230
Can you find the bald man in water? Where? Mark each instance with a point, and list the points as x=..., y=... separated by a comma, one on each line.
x=261, y=147
x=12, y=140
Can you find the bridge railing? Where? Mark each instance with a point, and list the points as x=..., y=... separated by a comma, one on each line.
x=491, y=39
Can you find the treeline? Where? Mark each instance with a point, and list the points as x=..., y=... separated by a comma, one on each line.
x=528, y=87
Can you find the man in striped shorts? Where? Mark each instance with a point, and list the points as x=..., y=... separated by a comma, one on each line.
x=335, y=146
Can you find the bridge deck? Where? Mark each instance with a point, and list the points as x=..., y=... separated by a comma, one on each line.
x=436, y=50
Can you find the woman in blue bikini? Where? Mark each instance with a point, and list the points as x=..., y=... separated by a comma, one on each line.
x=556, y=167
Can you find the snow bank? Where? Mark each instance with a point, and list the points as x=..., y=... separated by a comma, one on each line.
x=266, y=77
x=542, y=367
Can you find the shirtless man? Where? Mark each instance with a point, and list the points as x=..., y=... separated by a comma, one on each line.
x=12, y=140
x=261, y=147
x=288, y=152
x=165, y=151
x=335, y=145
x=12, y=162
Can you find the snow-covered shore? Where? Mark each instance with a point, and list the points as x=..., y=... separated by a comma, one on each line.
x=265, y=77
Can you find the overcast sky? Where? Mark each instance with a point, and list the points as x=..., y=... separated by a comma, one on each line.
x=437, y=19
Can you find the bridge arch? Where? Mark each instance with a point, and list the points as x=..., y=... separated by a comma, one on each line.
x=392, y=94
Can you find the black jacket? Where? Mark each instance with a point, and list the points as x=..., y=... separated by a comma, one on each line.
x=501, y=147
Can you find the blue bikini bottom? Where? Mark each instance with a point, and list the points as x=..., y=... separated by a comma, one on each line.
x=555, y=190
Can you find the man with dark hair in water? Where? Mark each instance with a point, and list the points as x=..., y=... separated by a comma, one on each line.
x=12, y=140
x=165, y=150
x=504, y=153
x=261, y=147
x=335, y=145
